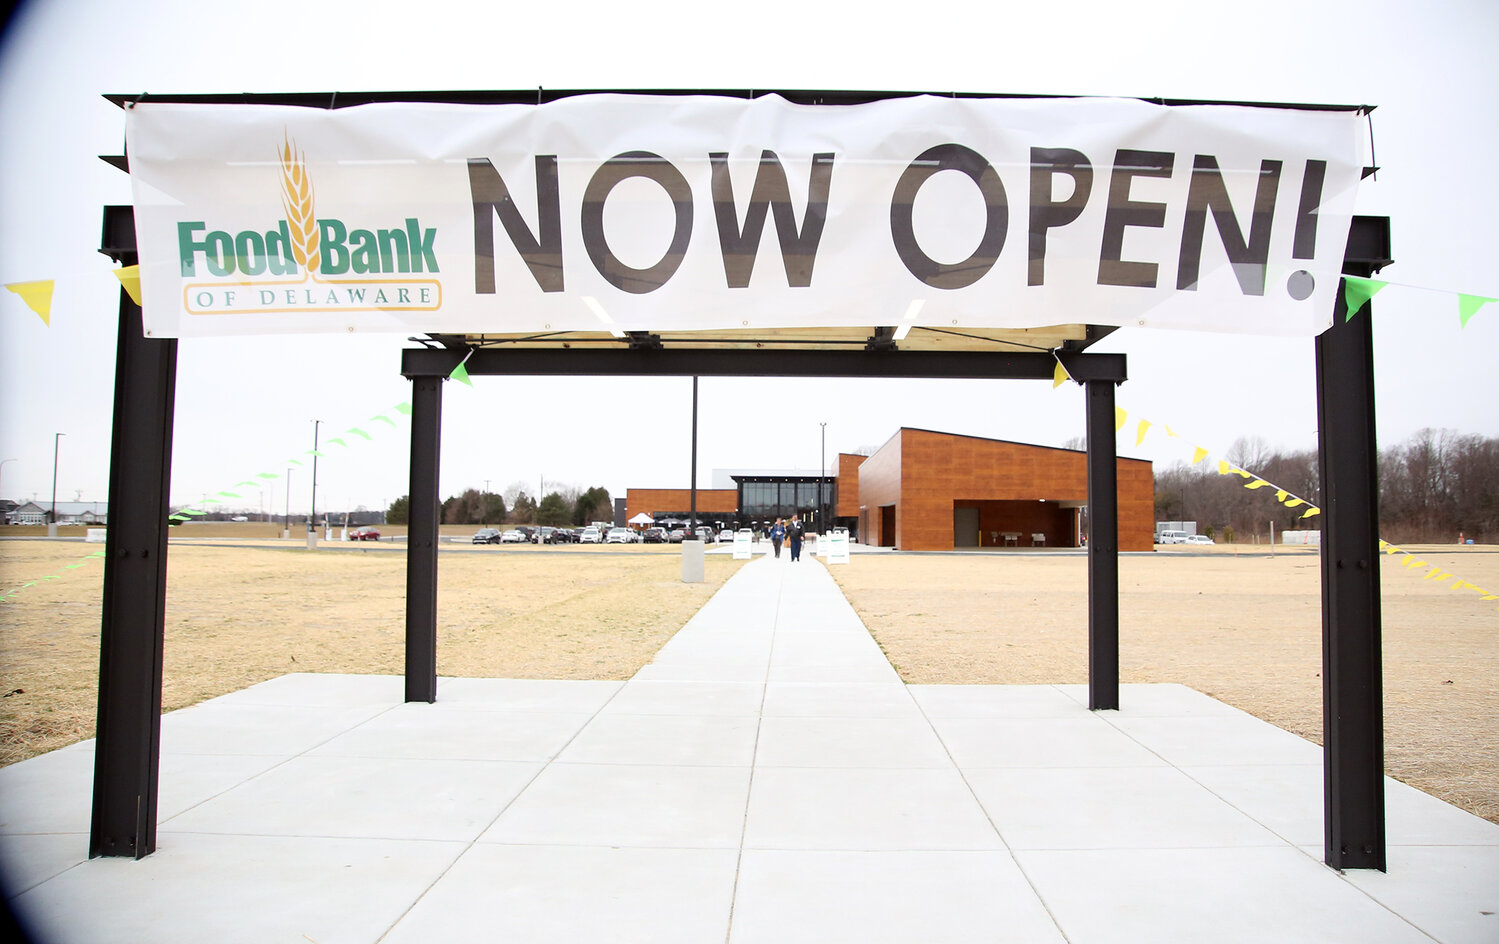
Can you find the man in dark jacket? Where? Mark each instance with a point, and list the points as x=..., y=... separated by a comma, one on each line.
x=796, y=531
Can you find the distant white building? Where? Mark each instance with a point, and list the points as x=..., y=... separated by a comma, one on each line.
x=67, y=513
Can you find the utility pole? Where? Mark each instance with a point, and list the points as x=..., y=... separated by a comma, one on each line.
x=312, y=512
x=52, y=525
x=286, y=531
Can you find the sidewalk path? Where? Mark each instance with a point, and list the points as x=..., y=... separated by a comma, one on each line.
x=767, y=778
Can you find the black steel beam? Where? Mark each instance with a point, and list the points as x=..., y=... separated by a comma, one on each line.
x=127, y=749
x=1352, y=686
x=679, y=362
x=424, y=510
x=1103, y=548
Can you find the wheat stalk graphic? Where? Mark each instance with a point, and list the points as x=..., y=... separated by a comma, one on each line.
x=296, y=198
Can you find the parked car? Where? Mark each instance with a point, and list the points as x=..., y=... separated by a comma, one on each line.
x=590, y=535
x=654, y=536
x=562, y=536
x=1199, y=539
x=364, y=534
x=513, y=536
x=1172, y=537
x=620, y=536
x=487, y=536
x=706, y=534
x=676, y=535
x=542, y=535
x=726, y=535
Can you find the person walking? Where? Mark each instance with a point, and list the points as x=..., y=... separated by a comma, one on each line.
x=796, y=531
x=777, y=535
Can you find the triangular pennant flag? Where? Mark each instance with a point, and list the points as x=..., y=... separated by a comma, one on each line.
x=267, y=475
x=1312, y=511
x=1295, y=502
x=37, y=296
x=1257, y=483
x=1058, y=376
x=1140, y=431
x=460, y=373
x=356, y=429
x=1437, y=575
x=1411, y=561
x=314, y=452
x=1119, y=417
x=1280, y=494
x=295, y=461
x=130, y=278
x=335, y=439
x=1468, y=305
x=1357, y=292
x=1198, y=454
x=1242, y=474
x=231, y=494
x=1224, y=468
x=403, y=408
x=383, y=418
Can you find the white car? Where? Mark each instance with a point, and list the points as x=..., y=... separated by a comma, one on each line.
x=590, y=535
x=1199, y=539
x=1172, y=537
x=726, y=536
x=620, y=536
x=513, y=537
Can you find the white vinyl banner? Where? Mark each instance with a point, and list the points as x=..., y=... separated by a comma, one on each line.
x=619, y=212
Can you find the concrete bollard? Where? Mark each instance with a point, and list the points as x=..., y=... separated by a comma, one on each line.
x=693, y=562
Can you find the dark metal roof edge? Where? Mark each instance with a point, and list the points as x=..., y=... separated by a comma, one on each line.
x=1007, y=442
x=539, y=96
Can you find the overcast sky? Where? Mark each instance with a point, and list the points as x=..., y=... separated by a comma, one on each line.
x=245, y=405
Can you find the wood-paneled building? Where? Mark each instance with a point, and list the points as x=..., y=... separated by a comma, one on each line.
x=930, y=491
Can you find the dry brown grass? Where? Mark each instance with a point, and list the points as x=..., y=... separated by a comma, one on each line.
x=240, y=615
x=1245, y=629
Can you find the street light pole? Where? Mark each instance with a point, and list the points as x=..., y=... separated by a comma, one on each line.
x=286, y=531
x=312, y=512
x=52, y=525
x=822, y=510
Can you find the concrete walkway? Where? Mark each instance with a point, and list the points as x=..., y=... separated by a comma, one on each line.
x=766, y=779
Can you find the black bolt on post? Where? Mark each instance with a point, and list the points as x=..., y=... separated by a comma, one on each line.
x=1352, y=686
x=127, y=751
x=1103, y=548
x=421, y=540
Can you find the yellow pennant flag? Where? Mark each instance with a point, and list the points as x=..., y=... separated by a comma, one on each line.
x=1437, y=575
x=1280, y=494
x=1224, y=468
x=1411, y=561
x=1059, y=376
x=1257, y=483
x=1198, y=454
x=130, y=278
x=1141, y=430
x=1170, y=432
x=1294, y=502
x=1119, y=417
x=37, y=296
x=1312, y=511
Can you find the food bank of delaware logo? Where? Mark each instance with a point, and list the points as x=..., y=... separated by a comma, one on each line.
x=306, y=264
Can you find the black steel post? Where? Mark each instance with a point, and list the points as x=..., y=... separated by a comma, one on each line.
x=421, y=541
x=127, y=749
x=1103, y=548
x=1352, y=686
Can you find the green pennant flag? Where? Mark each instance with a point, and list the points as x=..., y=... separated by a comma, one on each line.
x=383, y=418
x=314, y=452
x=1468, y=305
x=1357, y=292
x=403, y=408
x=356, y=429
x=460, y=373
x=230, y=495
x=267, y=475
x=295, y=461
x=335, y=439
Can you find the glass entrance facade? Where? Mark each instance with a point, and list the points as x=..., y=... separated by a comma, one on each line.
x=766, y=498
